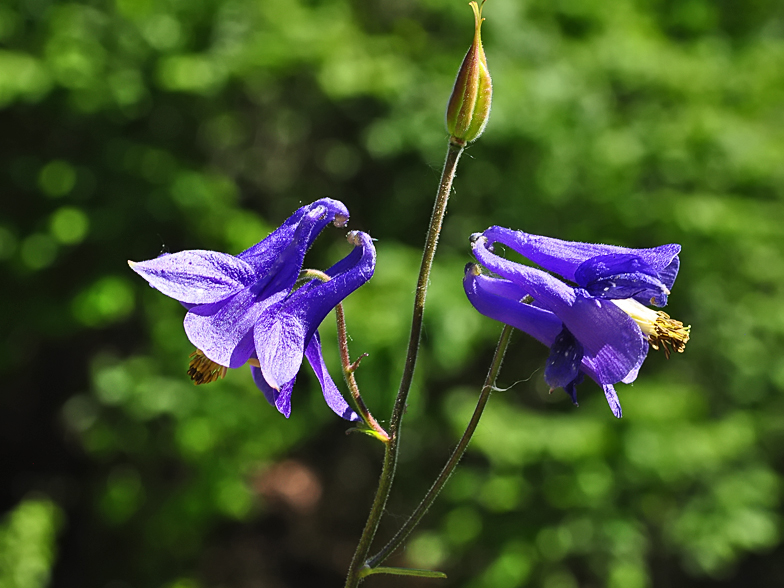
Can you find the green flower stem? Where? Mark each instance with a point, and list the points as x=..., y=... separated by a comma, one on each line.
x=349, y=368
x=355, y=571
x=348, y=374
x=454, y=459
x=434, y=231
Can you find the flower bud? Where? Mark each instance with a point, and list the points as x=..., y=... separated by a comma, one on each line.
x=469, y=105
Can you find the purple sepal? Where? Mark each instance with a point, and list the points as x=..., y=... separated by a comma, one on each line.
x=615, y=277
x=332, y=395
x=571, y=387
x=280, y=399
x=320, y=213
x=612, y=400
x=563, y=365
x=196, y=276
x=487, y=296
x=224, y=330
x=564, y=257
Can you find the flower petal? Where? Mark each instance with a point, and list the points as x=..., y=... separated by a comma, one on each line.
x=223, y=330
x=612, y=400
x=281, y=273
x=619, y=276
x=563, y=365
x=196, y=276
x=269, y=393
x=612, y=338
x=280, y=344
x=564, y=257
x=280, y=399
x=667, y=276
x=632, y=375
x=490, y=297
x=303, y=226
x=313, y=301
x=332, y=395
x=571, y=387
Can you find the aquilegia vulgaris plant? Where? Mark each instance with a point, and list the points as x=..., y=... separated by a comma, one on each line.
x=590, y=304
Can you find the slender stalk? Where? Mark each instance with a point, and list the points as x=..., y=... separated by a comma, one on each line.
x=391, y=450
x=358, y=569
x=454, y=459
x=351, y=381
x=436, y=220
x=348, y=367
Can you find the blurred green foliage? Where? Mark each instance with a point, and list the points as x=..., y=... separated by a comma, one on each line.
x=138, y=125
x=27, y=538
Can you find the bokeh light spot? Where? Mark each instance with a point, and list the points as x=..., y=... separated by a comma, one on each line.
x=107, y=300
x=57, y=178
x=426, y=551
x=38, y=251
x=69, y=225
x=463, y=525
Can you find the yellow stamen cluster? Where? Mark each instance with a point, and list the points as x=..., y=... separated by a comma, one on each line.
x=203, y=370
x=668, y=332
x=661, y=330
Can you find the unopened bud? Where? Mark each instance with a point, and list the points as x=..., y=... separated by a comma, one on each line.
x=469, y=105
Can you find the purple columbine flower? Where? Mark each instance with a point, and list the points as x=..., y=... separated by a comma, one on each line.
x=245, y=309
x=600, y=326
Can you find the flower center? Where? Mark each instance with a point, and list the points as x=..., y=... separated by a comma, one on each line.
x=203, y=370
x=661, y=330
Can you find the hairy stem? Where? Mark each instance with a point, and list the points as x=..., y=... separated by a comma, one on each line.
x=454, y=459
x=436, y=220
x=358, y=563
x=351, y=381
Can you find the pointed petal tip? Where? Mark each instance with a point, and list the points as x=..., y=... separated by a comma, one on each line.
x=270, y=381
x=283, y=404
x=613, y=400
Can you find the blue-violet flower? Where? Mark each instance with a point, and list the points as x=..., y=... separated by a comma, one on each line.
x=599, y=327
x=245, y=309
